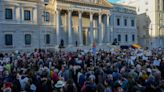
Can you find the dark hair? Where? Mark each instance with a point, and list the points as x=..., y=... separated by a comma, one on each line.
x=70, y=82
x=70, y=88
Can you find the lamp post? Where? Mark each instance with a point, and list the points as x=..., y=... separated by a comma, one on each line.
x=160, y=26
x=44, y=19
x=112, y=37
x=150, y=38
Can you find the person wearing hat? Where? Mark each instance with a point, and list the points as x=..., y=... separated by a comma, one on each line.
x=7, y=87
x=59, y=86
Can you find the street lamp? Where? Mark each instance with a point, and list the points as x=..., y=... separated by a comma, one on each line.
x=44, y=18
x=148, y=35
x=160, y=26
x=111, y=34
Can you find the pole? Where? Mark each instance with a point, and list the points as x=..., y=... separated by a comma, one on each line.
x=159, y=27
x=94, y=53
x=45, y=28
x=39, y=37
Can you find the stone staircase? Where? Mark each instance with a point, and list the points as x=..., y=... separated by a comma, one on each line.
x=87, y=48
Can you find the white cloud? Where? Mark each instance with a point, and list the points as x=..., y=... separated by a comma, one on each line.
x=121, y=1
x=128, y=2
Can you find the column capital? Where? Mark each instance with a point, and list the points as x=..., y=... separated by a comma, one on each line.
x=92, y=12
x=31, y=8
x=100, y=13
x=108, y=15
x=80, y=11
x=59, y=9
x=70, y=10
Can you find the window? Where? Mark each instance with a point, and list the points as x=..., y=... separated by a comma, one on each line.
x=119, y=37
x=132, y=22
x=47, y=16
x=133, y=37
x=47, y=39
x=27, y=15
x=126, y=38
x=125, y=22
x=8, y=14
x=163, y=5
x=118, y=22
x=27, y=39
x=158, y=5
x=46, y=1
x=146, y=3
x=8, y=39
x=138, y=9
x=146, y=9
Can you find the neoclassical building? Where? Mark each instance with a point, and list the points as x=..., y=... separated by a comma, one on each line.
x=123, y=24
x=82, y=21
x=29, y=24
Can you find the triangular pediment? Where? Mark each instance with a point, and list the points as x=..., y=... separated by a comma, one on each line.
x=106, y=3
x=30, y=0
x=103, y=3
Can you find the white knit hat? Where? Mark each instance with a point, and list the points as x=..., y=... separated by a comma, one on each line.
x=60, y=84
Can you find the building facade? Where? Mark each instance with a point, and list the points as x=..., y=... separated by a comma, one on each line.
x=30, y=24
x=123, y=24
x=22, y=26
x=150, y=23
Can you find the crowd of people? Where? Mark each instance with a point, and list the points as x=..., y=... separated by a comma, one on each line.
x=116, y=70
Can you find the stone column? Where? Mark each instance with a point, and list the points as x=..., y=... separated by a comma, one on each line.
x=80, y=29
x=58, y=26
x=160, y=22
x=112, y=34
x=69, y=27
x=100, y=29
x=15, y=12
x=91, y=28
x=35, y=15
x=21, y=13
x=107, y=28
x=32, y=15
